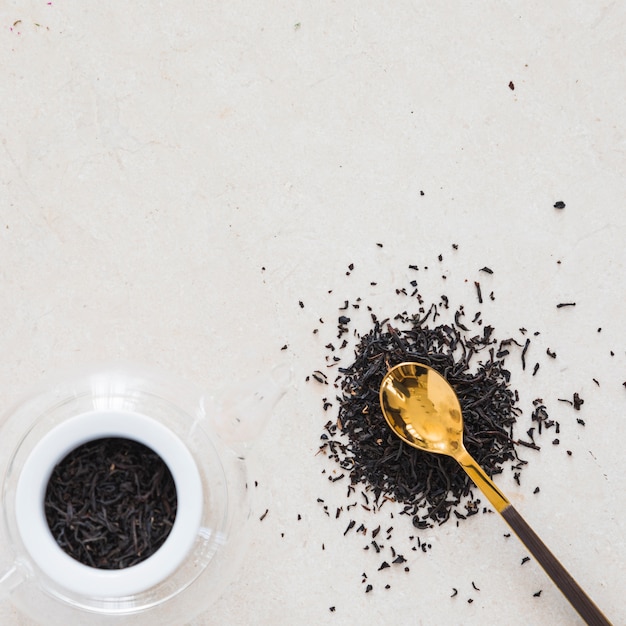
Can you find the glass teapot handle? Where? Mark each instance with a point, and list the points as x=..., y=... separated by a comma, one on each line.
x=12, y=574
x=243, y=411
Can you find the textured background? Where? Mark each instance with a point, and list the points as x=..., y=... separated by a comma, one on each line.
x=176, y=177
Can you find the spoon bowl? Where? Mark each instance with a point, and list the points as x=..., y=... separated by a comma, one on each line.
x=422, y=408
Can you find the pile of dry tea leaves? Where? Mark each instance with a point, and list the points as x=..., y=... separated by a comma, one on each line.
x=373, y=466
x=430, y=488
x=383, y=471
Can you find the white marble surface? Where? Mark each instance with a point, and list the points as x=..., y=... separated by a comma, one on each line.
x=155, y=157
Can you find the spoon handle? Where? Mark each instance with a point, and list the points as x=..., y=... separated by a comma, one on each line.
x=552, y=566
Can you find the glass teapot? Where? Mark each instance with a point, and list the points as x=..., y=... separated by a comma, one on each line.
x=204, y=444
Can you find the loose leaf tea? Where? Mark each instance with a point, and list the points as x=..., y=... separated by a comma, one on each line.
x=111, y=503
x=429, y=486
x=379, y=470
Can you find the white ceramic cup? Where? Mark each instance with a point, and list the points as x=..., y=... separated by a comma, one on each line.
x=38, y=539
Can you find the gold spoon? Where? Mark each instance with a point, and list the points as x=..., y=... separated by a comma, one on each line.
x=421, y=407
